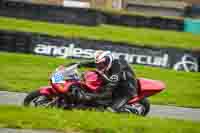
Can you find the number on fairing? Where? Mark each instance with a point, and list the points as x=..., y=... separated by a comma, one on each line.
x=57, y=78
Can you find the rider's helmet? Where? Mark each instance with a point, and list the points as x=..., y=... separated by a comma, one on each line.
x=103, y=60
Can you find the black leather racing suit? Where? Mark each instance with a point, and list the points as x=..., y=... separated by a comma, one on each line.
x=120, y=80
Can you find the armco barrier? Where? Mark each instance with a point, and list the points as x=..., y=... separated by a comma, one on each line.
x=49, y=13
x=82, y=16
x=144, y=21
x=178, y=59
x=193, y=11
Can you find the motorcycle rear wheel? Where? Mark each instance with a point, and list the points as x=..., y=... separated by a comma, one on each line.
x=141, y=108
x=146, y=105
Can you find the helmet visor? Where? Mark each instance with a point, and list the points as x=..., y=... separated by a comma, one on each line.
x=101, y=66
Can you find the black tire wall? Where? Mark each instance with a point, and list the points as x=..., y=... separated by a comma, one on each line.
x=80, y=16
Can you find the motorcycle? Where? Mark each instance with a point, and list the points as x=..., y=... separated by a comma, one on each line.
x=89, y=82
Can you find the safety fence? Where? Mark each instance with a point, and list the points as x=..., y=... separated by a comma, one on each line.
x=84, y=16
x=172, y=58
x=194, y=11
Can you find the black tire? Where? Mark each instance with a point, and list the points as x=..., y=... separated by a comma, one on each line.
x=30, y=97
x=146, y=104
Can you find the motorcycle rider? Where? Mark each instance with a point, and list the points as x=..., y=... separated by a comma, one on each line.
x=119, y=80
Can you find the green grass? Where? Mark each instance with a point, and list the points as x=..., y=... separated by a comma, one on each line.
x=90, y=121
x=24, y=73
x=138, y=36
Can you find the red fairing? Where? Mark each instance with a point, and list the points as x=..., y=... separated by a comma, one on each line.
x=92, y=80
x=66, y=87
x=147, y=87
x=46, y=90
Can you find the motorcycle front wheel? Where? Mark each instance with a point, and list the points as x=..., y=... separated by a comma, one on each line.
x=36, y=99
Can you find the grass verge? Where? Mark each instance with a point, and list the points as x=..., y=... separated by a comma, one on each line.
x=137, y=36
x=90, y=121
x=24, y=73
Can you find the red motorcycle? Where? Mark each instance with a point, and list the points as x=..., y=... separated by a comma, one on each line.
x=90, y=82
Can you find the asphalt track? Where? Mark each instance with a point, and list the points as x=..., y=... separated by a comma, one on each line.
x=8, y=130
x=13, y=98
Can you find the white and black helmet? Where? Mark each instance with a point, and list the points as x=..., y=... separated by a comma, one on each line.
x=103, y=60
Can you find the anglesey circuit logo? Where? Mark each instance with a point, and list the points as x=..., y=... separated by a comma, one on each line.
x=188, y=63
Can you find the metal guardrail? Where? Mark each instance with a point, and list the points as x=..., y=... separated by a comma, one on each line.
x=82, y=16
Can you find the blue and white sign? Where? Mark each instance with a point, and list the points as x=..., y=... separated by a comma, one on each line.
x=57, y=78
